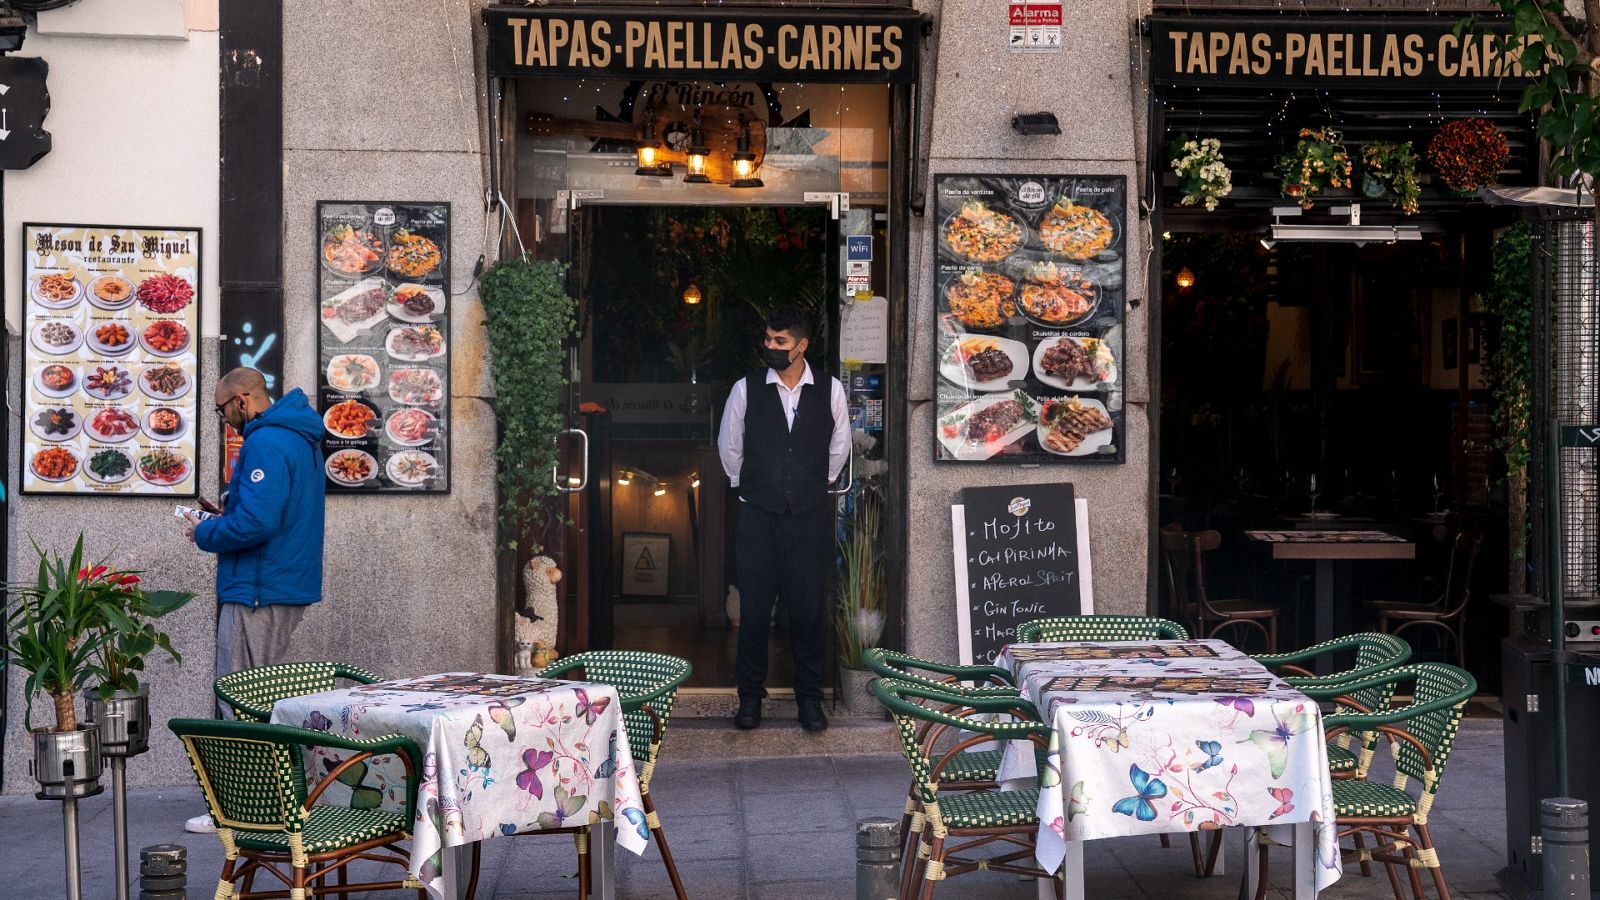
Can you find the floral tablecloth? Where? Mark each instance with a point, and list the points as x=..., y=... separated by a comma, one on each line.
x=1152, y=737
x=500, y=755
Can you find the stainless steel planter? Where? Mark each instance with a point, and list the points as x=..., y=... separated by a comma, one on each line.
x=124, y=721
x=66, y=763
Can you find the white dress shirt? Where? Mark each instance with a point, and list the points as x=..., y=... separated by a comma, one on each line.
x=730, y=441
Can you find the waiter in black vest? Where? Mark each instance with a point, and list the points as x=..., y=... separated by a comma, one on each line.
x=785, y=437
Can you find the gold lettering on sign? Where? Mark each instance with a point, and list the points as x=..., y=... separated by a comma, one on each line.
x=810, y=56
x=516, y=26
x=1261, y=46
x=891, y=46
x=1178, y=38
x=600, y=33
x=1294, y=47
x=1414, y=59
x=1447, y=56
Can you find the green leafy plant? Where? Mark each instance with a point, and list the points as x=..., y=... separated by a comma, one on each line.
x=530, y=318
x=1509, y=300
x=1392, y=170
x=1203, y=177
x=1317, y=164
x=859, y=617
x=76, y=622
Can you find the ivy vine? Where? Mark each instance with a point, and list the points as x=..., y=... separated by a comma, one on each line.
x=1509, y=299
x=530, y=318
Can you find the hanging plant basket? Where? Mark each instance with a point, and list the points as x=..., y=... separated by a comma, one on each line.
x=1202, y=175
x=1391, y=170
x=1318, y=164
x=1468, y=154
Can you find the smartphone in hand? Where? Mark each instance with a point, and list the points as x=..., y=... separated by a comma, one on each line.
x=209, y=507
x=182, y=511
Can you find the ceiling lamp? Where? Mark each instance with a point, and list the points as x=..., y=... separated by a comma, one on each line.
x=696, y=481
x=649, y=150
x=744, y=161
x=697, y=164
x=626, y=478
x=1185, y=278
x=1352, y=233
x=661, y=490
x=691, y=294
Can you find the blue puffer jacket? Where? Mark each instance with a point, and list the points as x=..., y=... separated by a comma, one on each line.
x=268, y=540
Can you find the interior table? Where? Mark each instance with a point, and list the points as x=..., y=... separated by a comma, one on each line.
x=1331, y=550
x=501, y=756
x=1154, y=737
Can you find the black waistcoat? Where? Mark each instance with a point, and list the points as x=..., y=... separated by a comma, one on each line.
x=784, y=469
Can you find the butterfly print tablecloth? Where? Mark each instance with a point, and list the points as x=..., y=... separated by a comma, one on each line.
x=500, y=755
x=1151, y=737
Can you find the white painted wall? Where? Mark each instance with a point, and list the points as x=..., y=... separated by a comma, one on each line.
x=135, y=128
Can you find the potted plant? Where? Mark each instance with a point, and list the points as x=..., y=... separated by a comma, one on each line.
x=1468, y=153
x=119, y=705
x=859, y=617
x=1391, y=169
x=1202, y=175
x=1319, y=163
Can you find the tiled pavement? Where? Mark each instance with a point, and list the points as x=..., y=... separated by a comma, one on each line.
x=774, y=828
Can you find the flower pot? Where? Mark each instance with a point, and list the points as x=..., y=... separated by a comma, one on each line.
x=66, y=763
x=1371, y=186
x=124, y=721
x=853, y=693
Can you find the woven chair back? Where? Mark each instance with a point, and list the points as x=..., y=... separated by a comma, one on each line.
x=644, y=681
x=251, y=692
x=1439, y=699
x=250, y=777
x=1100, y=628
x=912, y=705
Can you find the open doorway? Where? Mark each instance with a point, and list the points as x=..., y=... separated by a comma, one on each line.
x=675, y=300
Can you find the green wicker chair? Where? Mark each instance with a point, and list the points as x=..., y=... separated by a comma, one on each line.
x=647, y=687
x=255, y=789
x=1100, y=628
x=1421, y=734
x=250, y=693
x=981, y=817
x=1374, y=653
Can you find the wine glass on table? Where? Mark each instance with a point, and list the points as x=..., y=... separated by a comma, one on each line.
x=1313, y=491
x=1438, y=495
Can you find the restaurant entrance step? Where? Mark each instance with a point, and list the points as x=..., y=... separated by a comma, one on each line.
x=702, y=728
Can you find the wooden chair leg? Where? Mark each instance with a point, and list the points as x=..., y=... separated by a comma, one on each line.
x=1261, y=867
x=1411, y=871
x=472, y=879
x=935, y=855
x=661, y=841
x=1272, y=634
x=1213, y=852
x=1166, y=842
x=1198, y=857
x=1361, y=845
x=1390, y=868
x=911, y=867
x=1426, y=841
x=581, y=838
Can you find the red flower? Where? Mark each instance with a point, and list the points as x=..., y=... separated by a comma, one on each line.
x=127, y=582
x=86, y=574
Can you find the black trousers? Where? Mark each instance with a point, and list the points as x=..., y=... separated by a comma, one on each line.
x=787, y=554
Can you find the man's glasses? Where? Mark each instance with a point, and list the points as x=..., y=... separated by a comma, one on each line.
x=222, y=408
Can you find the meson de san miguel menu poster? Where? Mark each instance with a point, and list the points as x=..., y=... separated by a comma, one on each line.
x=384, y=273
x=111, y=361
x=1029, y=271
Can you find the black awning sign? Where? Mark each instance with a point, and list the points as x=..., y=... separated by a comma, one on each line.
x=24, y=102
x=1307, y=52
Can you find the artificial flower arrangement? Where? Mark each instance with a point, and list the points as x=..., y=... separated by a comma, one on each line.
x=1468, y=153
x=1391, y=169
x=1202, y=175
x=1319, y=163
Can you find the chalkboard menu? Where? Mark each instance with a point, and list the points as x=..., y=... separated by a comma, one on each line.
x=112, y=359
x=1029, y=349
x=1021, y=553
x=385, y=345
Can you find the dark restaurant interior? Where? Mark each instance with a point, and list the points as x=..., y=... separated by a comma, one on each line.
x=1334, y=384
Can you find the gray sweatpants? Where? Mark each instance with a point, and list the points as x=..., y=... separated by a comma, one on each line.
x=253, y=636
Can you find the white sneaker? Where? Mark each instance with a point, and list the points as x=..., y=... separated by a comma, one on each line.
x=201, y=824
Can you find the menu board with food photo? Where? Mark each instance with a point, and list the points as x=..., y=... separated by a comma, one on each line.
x=1029, y=328
x=384, y=274
x=111, y=318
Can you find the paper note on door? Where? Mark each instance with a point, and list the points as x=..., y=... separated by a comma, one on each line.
x=864, y=331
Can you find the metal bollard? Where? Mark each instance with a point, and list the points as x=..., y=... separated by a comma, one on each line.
x=877, y=858
x=1564, y=826
x=163, y=872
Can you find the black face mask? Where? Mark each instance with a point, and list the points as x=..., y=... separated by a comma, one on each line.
x=776, y=359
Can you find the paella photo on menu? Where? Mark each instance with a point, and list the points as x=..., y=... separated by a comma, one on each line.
x=1029, y=325
x=384, y=330
x=111, y=320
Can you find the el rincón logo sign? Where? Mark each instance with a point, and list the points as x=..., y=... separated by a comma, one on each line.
x=1303, y=52
x=753, y=46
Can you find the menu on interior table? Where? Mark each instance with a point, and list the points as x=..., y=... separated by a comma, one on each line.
x=1029, y=326
x=384, y=387
x=111, y=318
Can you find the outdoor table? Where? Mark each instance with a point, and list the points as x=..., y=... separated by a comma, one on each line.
x=501, y=755
x=1154, y=737
x=1330, y=549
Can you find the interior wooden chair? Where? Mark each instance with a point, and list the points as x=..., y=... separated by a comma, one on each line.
x=956, y=824
x=1447, y=614
x=1183, y=566
x=254, y=785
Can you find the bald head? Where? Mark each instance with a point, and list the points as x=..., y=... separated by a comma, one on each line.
x=241, y=396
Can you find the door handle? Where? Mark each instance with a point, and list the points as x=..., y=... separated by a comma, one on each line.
x=849, y=481
x=583, y=480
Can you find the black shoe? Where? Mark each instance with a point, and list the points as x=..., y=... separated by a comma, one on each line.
x=812, y=717
x=749, y=714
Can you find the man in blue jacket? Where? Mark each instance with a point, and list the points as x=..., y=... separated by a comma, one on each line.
x=268, y=539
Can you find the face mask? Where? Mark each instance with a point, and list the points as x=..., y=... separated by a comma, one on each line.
x=775, y=358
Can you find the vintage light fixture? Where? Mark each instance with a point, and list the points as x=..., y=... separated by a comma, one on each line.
x=697, y=164
x=626, y=478
x=691, y=294
x=744, y=162
x=661, y=490
x=649, y=150
x=1185, y=278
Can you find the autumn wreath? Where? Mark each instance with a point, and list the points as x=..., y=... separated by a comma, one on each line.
x=1468, y=153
